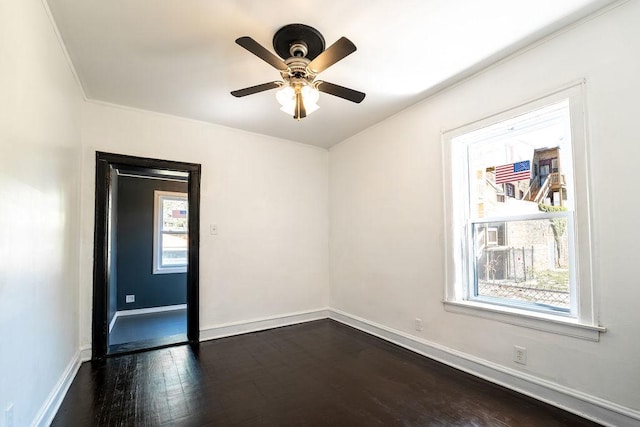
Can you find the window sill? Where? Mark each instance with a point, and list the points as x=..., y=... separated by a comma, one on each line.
x=539, y=321
x=169, y=270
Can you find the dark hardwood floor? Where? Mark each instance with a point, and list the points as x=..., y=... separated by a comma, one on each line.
x=315, y=374
x=144, y=331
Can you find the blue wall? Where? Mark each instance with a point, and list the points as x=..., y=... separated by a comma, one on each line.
x=135, y=247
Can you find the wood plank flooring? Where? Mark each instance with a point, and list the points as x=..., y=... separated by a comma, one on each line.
x=144, y=331
x=319, y=373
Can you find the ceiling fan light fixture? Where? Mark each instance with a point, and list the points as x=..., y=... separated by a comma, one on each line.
x=286, y=95
x=310, y=95
x=287, y=99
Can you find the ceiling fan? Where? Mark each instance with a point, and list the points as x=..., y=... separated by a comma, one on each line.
x=304, y=56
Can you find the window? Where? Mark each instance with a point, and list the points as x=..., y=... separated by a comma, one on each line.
x=510, y=190
x=519, y=257
x=492, y=236
x=170, y=239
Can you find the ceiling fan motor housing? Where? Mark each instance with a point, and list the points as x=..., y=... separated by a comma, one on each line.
x=287, y=41
x=297, y=69
x=299, y=49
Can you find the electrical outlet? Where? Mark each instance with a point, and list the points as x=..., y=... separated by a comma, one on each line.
x=213, y=229
x=520, y=355
x=418, y=325
x=130, y=298
x=8, y=416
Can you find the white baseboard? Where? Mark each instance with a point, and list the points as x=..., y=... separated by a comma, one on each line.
x=237, y=328
x=587, y=406
x=113, y=321
x=149, y=310
x=54, y=400
x=85, y=353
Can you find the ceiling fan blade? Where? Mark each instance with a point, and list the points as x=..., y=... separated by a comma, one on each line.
x=340, y=91
x=258, y=50
x=255, y=89
x=334, y=53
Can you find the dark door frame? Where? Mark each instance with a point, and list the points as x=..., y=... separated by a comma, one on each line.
x=104, y=163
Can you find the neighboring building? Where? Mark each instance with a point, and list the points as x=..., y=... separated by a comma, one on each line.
x=547, y=183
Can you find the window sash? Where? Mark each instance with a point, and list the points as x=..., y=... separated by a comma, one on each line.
x=163, y=250
x=527, y=217
x=160, y=266
x=470, y=291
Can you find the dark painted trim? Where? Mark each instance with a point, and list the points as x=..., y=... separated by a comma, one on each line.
x=99, y=330
x=193, y=268
x=104, y=163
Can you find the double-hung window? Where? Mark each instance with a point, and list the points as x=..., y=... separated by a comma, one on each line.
x=170, y=237
x=524, y=258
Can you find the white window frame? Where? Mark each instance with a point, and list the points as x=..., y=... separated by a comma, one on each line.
x=158, y=197
x=582, y=322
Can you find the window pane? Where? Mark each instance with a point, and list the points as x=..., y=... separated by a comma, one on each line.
x=519, y=163
x=174, y=215
x=174, y=250
x=523, y=261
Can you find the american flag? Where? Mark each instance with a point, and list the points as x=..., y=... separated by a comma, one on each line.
x=513, y=172
x=178, y=213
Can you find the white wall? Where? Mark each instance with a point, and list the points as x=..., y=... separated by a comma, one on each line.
x=39, y=172
x=386, y=209
x=268, y=197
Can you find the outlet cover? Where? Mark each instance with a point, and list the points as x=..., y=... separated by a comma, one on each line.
x=520, y=355
x=130, y=298
x=418, y=325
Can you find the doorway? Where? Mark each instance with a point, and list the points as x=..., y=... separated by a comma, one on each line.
x=545, y=170
x=146, y=252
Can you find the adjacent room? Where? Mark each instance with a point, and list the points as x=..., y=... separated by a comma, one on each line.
x=345, y=213
x=148, y=227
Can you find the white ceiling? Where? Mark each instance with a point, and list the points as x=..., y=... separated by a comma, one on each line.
x=178, y=57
